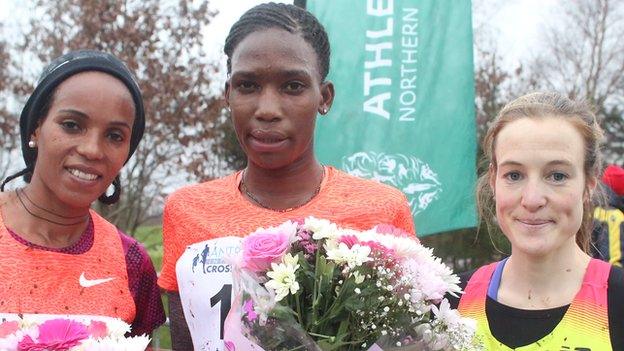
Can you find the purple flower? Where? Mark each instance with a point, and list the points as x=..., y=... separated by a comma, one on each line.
x=250, y=313
x=304, y=234
x=310, y=248
x=306, y=241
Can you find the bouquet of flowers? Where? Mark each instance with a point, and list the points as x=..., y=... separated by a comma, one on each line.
x=68, y=334
x=315, y=286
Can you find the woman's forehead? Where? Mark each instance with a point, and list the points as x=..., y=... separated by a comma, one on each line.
x=542, y=140
x=274, y=48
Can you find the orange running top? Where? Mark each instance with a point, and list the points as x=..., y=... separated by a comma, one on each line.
x=92, y=283
x=217, y=208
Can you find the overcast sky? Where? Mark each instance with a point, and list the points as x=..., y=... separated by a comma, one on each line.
x=515, y=23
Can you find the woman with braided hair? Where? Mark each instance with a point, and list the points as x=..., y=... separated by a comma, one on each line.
x=78, y=128
x=278, y=61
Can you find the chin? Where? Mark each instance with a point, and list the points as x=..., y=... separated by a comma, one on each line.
x=537, y=248
x=79, y=200
x=269, y=162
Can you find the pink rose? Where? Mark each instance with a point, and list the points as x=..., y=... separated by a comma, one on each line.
x=348, y=240
x=8, y=328
x=98, y=329
x=262, y=249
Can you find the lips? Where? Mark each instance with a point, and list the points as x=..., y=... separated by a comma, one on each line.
x=84, y=174
x=267, y=141
x=267, y=136
x=529, y=221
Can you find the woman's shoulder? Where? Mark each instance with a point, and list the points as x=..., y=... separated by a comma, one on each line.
x=4, y=198
x=134, y=251
x=369, y=187
x=204, y=190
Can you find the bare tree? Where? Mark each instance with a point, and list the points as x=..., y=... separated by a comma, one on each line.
x=8, y=121
x=584, y=57
x=163, y=44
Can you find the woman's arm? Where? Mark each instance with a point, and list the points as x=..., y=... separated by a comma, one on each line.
x=180, y=334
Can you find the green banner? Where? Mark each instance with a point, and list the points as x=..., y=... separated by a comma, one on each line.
x=404, y=107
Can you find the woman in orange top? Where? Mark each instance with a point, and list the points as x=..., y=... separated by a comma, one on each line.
x=79, y=127
x=278, y=60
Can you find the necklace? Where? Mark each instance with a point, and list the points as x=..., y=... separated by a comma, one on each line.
x=45, y=209
x=255, y=199
x=19, y=197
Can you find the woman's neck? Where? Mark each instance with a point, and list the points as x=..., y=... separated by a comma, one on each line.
x=45, y=200
x=282, y=188
x=541, y=282
x=42, y=219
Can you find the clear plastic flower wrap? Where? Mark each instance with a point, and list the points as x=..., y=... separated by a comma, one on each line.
x=315, y=286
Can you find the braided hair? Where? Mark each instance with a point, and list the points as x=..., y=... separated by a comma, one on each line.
x=288, y=17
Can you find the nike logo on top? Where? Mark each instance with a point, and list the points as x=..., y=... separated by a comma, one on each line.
x=87, y=283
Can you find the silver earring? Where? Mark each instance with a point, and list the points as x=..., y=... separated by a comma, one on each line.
x=32, y=144
x=323, y=111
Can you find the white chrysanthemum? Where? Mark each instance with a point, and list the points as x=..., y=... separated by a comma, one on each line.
x=404, y=247
x=368, y=235
x=29, y=322
x=353, y=257
x=117, y=327
x=283, y=280
x=263, y=304
x=359, y=278
x=322, y=228
x=452, y=331
x=291, y=260
x=445, y=314
x=331, y=244
x=135, y=343
x=10, y=342
x=429, y=279
x=429, y=275
x=289, y=228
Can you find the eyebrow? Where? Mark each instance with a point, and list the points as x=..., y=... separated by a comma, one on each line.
x=253, y=74
x=551, y=163
x=83, y=115
x=75, y=112
x=559, y=163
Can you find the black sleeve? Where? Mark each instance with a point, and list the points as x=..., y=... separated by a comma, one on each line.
x=463, y=280
x=615, y=293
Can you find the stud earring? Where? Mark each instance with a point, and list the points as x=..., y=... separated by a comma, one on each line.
x=32, y=144
x=323, y=111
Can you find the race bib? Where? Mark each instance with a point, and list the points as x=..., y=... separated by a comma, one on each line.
x=205, y=286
